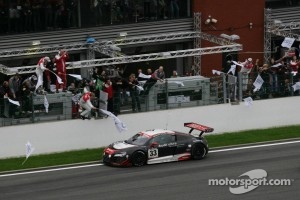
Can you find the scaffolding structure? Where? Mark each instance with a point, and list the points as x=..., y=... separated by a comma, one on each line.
x=102, y=46
x=275, y=27
x=197, y=44
x=130, y=59
x=111, y=48
x=267, y=36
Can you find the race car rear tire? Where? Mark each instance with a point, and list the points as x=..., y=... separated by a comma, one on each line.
x=138, y=158
x=198, y=151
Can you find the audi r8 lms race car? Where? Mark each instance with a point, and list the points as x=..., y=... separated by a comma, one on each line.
x=158, y=146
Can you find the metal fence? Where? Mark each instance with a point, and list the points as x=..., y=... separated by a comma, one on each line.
x=173, y=93
x=32, y=109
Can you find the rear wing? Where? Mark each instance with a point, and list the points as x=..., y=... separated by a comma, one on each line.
x=199, y=127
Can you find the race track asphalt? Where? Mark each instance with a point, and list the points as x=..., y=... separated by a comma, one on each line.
x=170, y=181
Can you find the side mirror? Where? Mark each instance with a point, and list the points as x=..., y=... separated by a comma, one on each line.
x=154, y=145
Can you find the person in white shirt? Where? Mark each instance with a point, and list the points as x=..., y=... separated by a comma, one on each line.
x=41, y=67
x=86, y=104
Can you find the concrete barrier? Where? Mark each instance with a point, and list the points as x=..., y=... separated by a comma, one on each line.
x=49, y=137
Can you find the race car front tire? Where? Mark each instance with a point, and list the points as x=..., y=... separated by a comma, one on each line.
x=198, y=151
x=138, y=158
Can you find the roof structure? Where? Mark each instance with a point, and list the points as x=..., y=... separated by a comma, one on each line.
x=112, y=50
x=278, y=25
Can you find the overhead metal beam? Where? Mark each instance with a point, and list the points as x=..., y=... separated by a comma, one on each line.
x=131, y=59
x=122, y=41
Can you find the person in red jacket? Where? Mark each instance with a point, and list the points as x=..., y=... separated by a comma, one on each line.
x=61, y=69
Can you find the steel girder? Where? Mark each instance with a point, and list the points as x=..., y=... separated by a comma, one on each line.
x=131, y=59
x=197, y=43
x=98, y=46
x=116, y=57
x=278, y=29
x=267, y=36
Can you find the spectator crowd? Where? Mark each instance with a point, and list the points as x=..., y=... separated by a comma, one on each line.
x=110, y=92
x=278, y=75
x=102, y=90
x=20, y=16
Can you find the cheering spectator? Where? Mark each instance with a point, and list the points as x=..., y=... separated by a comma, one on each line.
x=245, y=70
x=41, y=67
x=134, y=93
x=4, y=90
x=49, y=77
x=144, y=77
x=109, y=90
x=28, y=87
x=294, y=64
x=86, y=104
x=275, y=65
x=174, y=74
x=61, y=69
x=158, y=75
x=14, y=84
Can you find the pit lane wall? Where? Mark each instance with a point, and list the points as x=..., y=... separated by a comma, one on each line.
x=49, y=137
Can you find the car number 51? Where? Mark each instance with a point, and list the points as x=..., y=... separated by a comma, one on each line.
x=153, y=153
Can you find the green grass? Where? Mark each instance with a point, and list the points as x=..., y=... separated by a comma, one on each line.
x=252, y=136
x=90, y=155
x=46, y=160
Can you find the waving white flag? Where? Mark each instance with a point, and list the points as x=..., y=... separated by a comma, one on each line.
x=216, y=72
x=141, y=75
x=59, y=80
x=140, y=88
x=76, y=76
x=287, y=42
x=119, y=124
x=294, y=73
x=276, y=65
x=29, y=149
x=232, y=69
x=38, y=84
x=258, y=83
x=248, y=101
x=46, y=103
x=236, y=63
x=296, y=86
x=13, y=102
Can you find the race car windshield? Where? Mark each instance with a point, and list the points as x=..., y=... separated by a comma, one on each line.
x=138, y=139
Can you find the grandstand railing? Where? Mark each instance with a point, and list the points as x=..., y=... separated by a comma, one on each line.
x=220, y=89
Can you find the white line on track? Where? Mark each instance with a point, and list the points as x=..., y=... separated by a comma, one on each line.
x=99, y=164
x=254, y=146
x=51, y=170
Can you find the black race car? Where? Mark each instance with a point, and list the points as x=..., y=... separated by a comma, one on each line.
x=158, y=146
